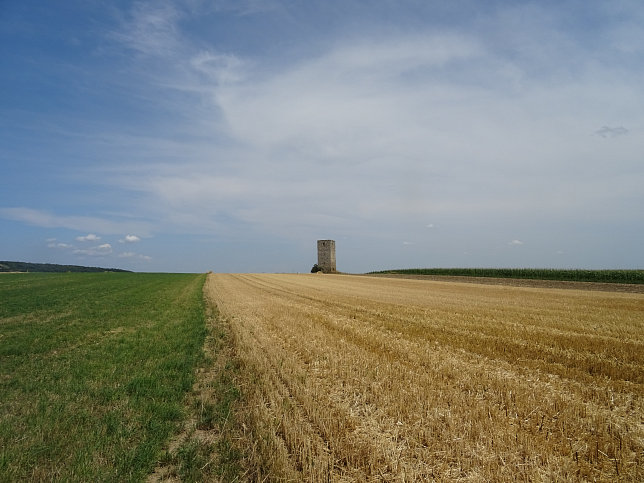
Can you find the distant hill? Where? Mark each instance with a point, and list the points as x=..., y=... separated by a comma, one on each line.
x=51, y=267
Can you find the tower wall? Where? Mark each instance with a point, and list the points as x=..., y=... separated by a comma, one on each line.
x=326, y=255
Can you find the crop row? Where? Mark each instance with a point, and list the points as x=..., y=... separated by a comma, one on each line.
x=363, y=378
x=602, y=276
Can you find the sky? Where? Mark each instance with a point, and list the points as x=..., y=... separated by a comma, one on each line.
x=230, y=135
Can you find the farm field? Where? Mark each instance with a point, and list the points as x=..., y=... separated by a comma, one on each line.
x=596, y=276
x=350, y=378
x=94, y=370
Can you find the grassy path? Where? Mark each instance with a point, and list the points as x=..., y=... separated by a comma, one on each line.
x=94, y=369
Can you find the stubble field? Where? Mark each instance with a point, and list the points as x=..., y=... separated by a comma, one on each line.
x=360, y=378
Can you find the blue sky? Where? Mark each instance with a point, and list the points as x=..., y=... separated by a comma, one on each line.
x=231, y=135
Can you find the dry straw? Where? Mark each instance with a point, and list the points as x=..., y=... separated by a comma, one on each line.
x=359, y=378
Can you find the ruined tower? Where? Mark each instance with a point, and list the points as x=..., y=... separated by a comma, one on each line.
x=326, y=255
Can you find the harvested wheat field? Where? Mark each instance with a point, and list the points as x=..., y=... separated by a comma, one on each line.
x=350, y=378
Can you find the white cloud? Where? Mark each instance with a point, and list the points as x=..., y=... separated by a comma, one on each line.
x=97, y=251
x=80, y=223
x=126, y=255
x=89, y=237
x=349, y=98
x=366, y=134
x=392, y=128
x=59, y=245
x=130, y=239
x=220, y=68
x=515, y=243
x=134, y=255
x=247, y=7
x=150, y=29
x=102, y=250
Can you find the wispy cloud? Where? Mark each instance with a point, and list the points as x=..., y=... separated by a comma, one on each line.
x=405, y=126
x=220, y=68
x=390, y=129
x=126, y=255
x=247, y=7
x=466, y=123
x=611, y=132
x=60, y=245
x=103, y=250
x=88, y=237
x=133, y=255
x=150, y=28
x=97, y=251
x=79, y=223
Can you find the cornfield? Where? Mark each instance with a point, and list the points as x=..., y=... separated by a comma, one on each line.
x=599, y=276
x=350, y=378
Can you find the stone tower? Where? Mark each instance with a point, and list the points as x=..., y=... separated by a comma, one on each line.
x=326, y=255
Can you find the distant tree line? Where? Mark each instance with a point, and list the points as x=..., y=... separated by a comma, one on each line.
x=6, y=266
x=604, y=276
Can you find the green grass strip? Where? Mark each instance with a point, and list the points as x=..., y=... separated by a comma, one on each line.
x=93, y=371
x=208, y=449
x=603, y=276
